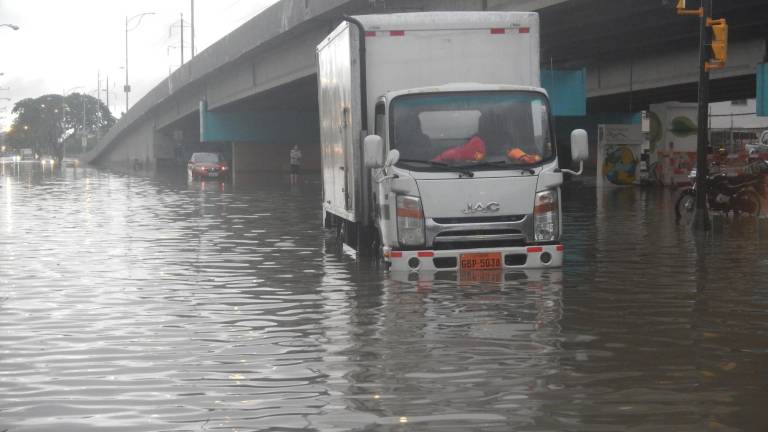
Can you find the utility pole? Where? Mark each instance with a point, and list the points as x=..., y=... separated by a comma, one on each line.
x=192, y=28
x=63, y=119
x=98, y=103
x=716, y=43
x=84, y=137
x=98, y=86
x=127, y=87
x=701, y=215
x=181, y=30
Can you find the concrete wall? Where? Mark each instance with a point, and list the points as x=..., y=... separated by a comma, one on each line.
x=137, y=144
x=621, y=75
x=730, y=115
x=164, y=147
x=274, y=157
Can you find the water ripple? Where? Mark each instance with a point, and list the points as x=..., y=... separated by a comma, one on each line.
x=150, y=304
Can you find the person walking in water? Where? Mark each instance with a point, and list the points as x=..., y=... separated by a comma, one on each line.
x=295, y=164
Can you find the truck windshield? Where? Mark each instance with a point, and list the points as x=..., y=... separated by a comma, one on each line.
x=483, y=130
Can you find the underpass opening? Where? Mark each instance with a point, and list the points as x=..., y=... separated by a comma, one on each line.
x=262, y=129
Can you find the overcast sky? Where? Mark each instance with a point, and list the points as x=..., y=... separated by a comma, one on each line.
x=63, y=44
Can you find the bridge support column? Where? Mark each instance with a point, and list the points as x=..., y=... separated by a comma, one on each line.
x=164, y=149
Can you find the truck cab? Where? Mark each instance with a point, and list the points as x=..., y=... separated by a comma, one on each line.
x=472, y=180
x=437, y=143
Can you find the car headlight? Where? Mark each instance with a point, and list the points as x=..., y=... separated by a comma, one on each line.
x=410, y=221
x=546, y=216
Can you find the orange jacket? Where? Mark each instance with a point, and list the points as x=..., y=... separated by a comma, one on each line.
x=473, y=150
x=519, y=155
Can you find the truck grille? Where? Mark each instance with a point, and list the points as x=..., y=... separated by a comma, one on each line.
x=471, y=239
x=478, y=232
x=478, y=219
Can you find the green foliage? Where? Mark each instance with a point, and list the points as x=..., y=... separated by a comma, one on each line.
x=683, y=126
x=40, y=124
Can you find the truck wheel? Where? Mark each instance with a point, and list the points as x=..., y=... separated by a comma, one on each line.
x=350, y=234
x=367, y=241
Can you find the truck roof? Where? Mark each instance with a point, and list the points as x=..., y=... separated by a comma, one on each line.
x=458, y=87
x=447, y=20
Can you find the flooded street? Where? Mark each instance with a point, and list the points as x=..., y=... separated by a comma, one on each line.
x=151, y=304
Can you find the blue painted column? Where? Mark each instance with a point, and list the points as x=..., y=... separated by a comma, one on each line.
x=567, y=91
x=762, y=89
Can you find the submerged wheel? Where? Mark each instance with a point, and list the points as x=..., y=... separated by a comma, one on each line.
x=685, y=206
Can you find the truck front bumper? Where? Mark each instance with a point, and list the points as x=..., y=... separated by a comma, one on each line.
x=521, y=257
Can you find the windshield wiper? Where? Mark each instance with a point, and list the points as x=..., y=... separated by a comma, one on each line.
x=501, y=163
x=458, y=169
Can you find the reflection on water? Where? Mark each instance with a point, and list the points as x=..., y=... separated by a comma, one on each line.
x=157, y=304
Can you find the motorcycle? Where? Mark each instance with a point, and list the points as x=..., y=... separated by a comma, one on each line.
x=740, y=194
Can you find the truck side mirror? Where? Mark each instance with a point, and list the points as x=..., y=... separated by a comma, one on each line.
x=579, y=145
x=392, y=158
x=373, y=151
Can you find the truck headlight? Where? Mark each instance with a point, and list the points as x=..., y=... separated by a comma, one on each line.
x=546, y=216
x=410, y=221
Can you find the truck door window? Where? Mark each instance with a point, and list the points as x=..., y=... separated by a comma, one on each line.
x=379, y=122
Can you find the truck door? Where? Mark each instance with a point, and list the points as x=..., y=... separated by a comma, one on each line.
x=345, y=162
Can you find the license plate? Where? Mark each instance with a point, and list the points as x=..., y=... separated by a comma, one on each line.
x=481, y=261
x=493, y=276
x=213, y=174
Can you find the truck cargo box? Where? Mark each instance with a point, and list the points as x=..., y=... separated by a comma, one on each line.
x=403, y=51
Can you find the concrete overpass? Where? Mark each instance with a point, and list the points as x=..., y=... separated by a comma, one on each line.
x=262, y=75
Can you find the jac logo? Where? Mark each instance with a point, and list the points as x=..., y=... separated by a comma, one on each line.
x=491, y=207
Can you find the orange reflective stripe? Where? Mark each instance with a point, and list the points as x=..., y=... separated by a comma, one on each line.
x=408, y=213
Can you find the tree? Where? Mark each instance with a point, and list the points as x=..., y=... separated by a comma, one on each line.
x=41, y=125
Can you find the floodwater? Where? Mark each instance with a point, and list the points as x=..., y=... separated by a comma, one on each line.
x=151, y=304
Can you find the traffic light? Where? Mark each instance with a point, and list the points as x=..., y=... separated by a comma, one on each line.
x=719, y=43
x=681, y=10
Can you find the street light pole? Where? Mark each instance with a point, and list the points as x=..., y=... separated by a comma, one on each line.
x=181, y=25
x=127, y=87
x=192, y=28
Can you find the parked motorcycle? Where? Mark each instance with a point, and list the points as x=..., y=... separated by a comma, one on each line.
x=741, y=194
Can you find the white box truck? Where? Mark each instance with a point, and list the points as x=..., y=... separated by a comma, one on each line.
x=437, y=143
